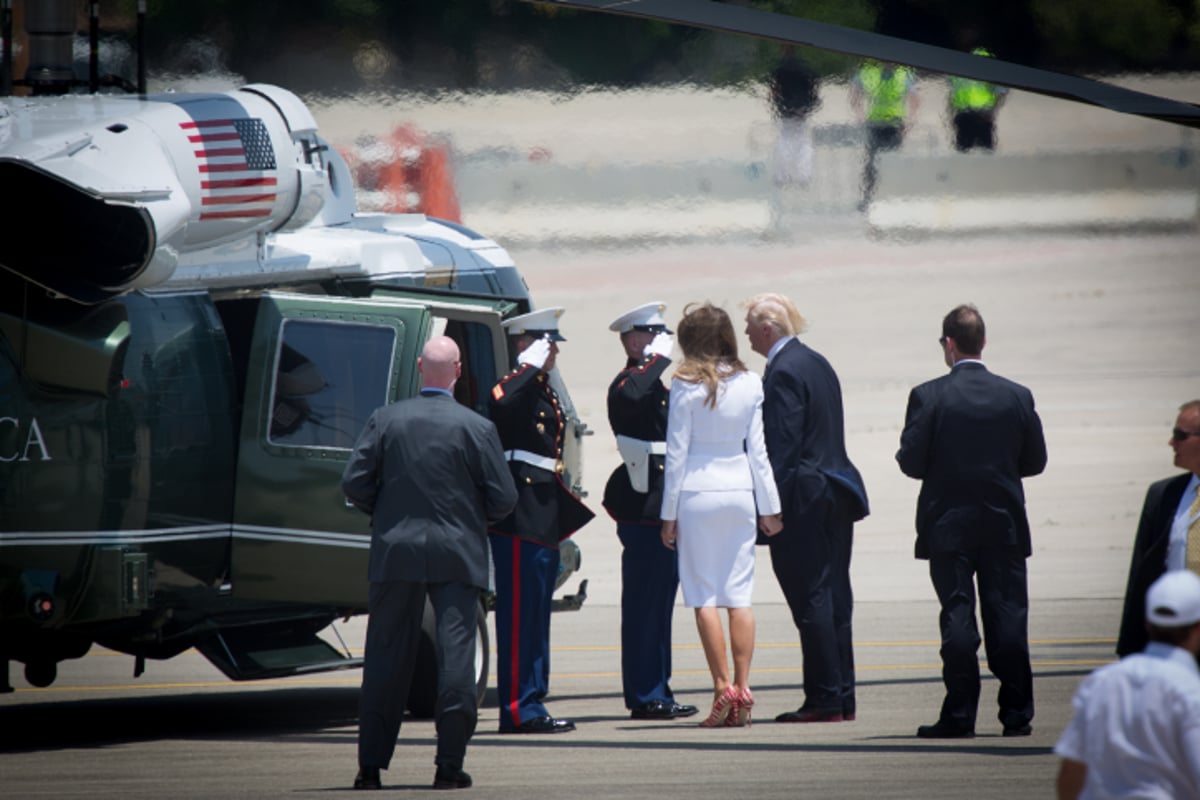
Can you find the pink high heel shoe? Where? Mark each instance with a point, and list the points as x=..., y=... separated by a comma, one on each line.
x=722, y=708
x=743, y=707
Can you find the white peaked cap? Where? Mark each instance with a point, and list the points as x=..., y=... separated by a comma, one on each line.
x=536, y=323
x=1173, y=600
x=644, y=317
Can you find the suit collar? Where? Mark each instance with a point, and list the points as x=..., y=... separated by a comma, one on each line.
x=780, y=345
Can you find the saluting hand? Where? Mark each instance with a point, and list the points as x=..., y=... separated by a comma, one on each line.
x=661, y=345
x=536, y=354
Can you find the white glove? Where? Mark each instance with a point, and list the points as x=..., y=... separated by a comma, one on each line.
x=661, y=345
x=536, y=354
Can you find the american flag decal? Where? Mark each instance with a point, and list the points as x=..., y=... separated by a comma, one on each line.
x=237, y=167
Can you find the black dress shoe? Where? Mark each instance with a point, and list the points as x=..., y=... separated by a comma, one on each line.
x=1018, y=730
x=943, y=730
x=811, y=715
x=663, y=709
x=540, y=725
x=451, y=778
x=367, y=778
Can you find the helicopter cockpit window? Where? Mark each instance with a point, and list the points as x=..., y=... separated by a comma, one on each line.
x=329, y=377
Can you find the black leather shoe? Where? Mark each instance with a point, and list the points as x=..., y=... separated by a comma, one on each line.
x=1018, y=730
x=943, y=730
x=810, y=715
x=451, y=778
x=540, y=725
x=663, y=709
x=367, y=778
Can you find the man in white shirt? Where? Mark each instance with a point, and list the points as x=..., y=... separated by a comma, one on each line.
x=1136, y=728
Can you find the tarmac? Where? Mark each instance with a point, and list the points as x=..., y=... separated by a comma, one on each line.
x=1100, y=327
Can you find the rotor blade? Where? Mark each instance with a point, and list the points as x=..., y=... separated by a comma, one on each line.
x=796, y=30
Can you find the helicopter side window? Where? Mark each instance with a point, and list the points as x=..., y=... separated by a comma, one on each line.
x=329, y=377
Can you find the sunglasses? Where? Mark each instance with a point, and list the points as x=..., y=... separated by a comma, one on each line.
x=1179, y=434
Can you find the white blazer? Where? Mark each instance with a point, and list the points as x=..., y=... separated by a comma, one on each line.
x=718, y=449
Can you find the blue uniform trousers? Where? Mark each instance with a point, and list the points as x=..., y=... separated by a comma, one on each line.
x=525, y=576
x=649, y=582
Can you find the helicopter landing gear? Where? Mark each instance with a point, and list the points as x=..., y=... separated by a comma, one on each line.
x=41, y=673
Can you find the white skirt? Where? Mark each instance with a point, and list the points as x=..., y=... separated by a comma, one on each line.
x=716, y=533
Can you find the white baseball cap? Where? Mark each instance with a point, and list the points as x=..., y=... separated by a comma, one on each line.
x=1173, y=601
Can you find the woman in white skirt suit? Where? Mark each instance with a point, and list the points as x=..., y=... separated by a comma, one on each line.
x=717, y=482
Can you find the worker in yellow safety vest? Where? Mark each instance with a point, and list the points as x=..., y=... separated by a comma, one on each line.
x=884, y=95
x=973, y=106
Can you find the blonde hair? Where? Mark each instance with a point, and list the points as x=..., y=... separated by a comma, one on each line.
x=709, y=345
x=777, y=311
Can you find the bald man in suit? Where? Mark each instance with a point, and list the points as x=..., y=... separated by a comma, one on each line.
x=432, y=475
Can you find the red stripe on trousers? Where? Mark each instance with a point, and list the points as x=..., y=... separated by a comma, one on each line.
x=515, y=643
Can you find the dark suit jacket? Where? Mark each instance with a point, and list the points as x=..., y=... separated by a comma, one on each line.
x=432, y=475
x=970, y=437
x=1149, y=558
x=805, y=436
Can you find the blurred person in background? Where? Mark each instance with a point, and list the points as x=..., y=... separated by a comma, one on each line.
x=885, y=98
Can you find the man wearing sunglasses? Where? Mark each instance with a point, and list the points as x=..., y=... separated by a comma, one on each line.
x=970, y=437
x=1168, y=534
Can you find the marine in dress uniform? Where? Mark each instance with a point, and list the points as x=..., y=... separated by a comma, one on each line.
x=531, y=423
x=637, y=411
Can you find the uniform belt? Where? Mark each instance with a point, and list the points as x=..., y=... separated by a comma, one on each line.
x=535, y=460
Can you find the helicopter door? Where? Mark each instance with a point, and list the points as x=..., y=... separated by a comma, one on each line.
x=318, y=367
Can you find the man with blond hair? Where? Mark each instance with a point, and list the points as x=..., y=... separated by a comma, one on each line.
x=822, y=495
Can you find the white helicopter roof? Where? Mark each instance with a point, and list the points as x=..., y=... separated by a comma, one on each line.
x=232, y=190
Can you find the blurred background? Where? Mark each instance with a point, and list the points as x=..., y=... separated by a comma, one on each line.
x=539, y=124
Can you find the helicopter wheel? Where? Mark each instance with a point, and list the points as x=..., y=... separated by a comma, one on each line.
x=422, y=693
x=41, y=673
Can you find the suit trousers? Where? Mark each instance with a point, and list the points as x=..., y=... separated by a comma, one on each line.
x=811, y=561
x=525, y=576
x=1004, y=609
x=395, y=610
x=649, y=583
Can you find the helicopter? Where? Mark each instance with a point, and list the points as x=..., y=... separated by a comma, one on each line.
x=186, y=365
